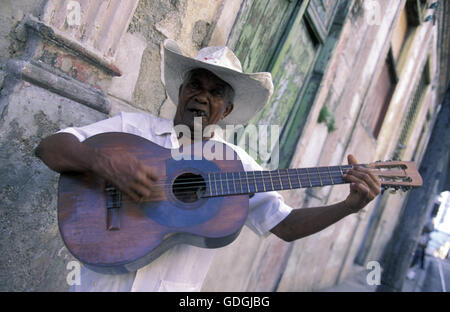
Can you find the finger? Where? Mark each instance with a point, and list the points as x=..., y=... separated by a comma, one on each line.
x=134, y=196
x=368, y=177
x=143, y=179
x=358, y=185
x=351, y=160
x=150, y=172
x=141, y=190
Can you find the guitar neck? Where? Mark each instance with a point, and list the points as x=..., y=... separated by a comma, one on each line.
x=249, y=182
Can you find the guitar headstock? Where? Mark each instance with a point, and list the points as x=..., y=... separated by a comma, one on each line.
x=396, y=174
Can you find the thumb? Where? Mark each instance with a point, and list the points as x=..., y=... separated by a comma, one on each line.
x=351, y=159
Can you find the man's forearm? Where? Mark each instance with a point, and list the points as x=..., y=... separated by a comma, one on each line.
x=306, y=221
x=63, y=152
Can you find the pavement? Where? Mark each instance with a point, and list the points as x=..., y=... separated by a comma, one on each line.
x=434, y=277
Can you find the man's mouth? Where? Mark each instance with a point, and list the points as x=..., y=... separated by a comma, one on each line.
x=197, y=112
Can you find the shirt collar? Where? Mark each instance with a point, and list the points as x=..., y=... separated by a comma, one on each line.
x=164, y=127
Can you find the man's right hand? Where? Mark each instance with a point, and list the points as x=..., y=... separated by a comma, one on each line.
x=63, y=152
x=128, y=174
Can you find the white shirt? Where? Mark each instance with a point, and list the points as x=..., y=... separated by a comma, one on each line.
x=184, y=267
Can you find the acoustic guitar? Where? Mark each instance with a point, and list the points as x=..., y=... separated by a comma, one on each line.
x=205, y=200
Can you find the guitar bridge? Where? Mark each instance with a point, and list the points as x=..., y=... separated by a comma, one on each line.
x=113, y=201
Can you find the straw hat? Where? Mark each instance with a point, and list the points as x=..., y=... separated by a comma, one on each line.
x=252, y=90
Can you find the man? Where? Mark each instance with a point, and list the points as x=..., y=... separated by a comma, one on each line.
x=211, y=87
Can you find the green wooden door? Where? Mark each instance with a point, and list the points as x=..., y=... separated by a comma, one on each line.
x=283, y=37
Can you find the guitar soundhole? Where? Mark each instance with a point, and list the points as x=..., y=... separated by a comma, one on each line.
x=189, y=187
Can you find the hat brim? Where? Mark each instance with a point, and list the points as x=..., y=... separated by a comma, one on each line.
x=251, y=91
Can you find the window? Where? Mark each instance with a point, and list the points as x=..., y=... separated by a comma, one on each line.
x=285, y=38
x=380, y=96
x=410, y=118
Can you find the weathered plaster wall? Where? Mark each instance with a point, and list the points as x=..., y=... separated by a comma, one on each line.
x=11, y=13
x=12, y=38
x=33, y=256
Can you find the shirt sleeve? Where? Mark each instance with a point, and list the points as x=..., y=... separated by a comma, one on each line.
x=113, y=124
x=266, y=209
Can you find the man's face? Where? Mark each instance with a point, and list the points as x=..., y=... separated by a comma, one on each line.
x=204, y=95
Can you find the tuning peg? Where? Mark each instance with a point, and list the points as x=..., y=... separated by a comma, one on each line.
x=394, y=188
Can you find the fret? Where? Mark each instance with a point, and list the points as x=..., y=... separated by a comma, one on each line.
x=284, y=178
x=279, y=177
x=225, y=183
x=298, y=177
x=254, y=179
x=340, y=168
x=229, y=183
x=215, y=184
x=289, y=178
x=234, y=182
x=309, y=179
x=324, y=174
x=263, y=183
x=209, y=184
x=221, y=183
x=337, y=176
x=331, y=177
x=251, y=181
x=320, y=178
x=293, y=181
x=268, y=180
x=271, y=180
x=240, y=181
x=248, y=184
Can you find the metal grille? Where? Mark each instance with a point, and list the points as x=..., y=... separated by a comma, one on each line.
x=411, y=116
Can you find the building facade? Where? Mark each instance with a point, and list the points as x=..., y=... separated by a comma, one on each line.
x=351, y=76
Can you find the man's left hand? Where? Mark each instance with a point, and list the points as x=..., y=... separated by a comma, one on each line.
x=364, y=187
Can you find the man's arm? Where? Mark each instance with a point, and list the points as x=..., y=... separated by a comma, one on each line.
x=63, y=152
x=364, y=187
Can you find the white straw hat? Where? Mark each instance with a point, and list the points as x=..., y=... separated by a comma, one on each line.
x=252, y=91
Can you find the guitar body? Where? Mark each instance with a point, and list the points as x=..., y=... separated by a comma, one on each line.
x=127, y=236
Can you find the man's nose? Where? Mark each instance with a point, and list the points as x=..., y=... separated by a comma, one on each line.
x=202, y=97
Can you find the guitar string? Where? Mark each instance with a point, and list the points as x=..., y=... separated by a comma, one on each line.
x=275, y=174
x=275, y=189
x=231, y=194
x=255, y=180
x=252, y=181
x=210, y=195
x=313, y=177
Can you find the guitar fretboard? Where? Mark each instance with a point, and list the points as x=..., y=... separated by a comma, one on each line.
x=249, y=182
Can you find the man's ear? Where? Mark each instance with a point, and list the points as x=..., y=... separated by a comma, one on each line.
x=228, y=109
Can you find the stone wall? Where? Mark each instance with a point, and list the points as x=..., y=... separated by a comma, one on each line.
x=56, y=73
